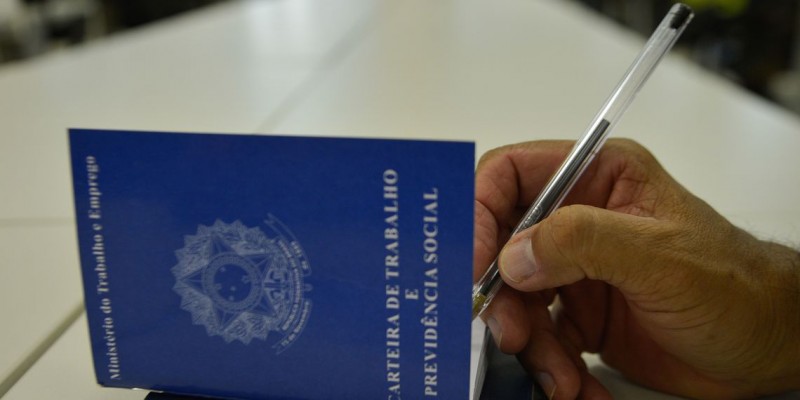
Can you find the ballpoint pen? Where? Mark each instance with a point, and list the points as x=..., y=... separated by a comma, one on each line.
x=589, y=144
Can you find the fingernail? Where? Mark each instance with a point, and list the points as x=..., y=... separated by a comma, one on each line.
x=547, y=383
x=516, y=260
x=496, y=330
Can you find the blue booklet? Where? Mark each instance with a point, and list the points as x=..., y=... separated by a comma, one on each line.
x=251, y=267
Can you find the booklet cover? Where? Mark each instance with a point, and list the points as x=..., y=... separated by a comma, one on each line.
x=249, y=266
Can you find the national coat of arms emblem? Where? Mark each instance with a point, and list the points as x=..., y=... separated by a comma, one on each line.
x=242, y=283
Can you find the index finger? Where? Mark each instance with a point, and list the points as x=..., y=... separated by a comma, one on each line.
x=507, y=180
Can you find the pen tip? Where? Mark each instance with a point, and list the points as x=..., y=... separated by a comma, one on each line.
x=477, y=304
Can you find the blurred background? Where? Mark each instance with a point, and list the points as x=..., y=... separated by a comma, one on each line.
x=753, y=43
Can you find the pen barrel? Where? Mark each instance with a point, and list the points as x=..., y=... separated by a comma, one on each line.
x=581, y=155
x=585, y=149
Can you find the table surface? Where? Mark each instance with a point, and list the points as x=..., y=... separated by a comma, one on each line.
x=492, y=72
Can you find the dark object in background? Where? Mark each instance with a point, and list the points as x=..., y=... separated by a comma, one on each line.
x=69, y=27
x=45, y=25
x=122, y=14
x=752, y=42
x=752, y=47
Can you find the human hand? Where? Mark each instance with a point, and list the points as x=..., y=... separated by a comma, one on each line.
x=666, y=290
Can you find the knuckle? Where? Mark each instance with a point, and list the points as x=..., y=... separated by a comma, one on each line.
x=493, y=154
x=634, y=151
x=629, y=145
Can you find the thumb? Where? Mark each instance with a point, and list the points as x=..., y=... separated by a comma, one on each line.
x=578, y=242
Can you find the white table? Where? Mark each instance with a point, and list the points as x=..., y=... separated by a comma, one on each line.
x=494, y=72
x=40, y=292
x=224, y=69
